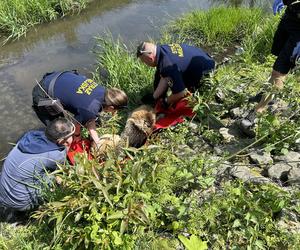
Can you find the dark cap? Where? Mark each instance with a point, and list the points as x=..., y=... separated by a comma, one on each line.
x=141, y=50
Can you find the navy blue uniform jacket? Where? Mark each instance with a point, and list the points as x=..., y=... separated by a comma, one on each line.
x=184, y=64
x=79, y=95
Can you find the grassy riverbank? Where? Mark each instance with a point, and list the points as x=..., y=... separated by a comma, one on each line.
x=170, y=194
x=17, y=16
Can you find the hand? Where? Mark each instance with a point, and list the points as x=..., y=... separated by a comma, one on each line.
x=296, y=54
x=163, y=102
x=277, y=6
x=77, y=137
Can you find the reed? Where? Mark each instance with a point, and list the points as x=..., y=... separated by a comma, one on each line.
x=17, y=16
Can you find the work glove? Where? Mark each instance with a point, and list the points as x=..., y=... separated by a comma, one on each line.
x=296, y=54
x=277, y=6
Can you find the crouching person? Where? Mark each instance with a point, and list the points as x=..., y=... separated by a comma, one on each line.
x=26, y=168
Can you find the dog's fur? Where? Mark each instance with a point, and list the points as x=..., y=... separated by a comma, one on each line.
x=108, y=143
x=139, y=126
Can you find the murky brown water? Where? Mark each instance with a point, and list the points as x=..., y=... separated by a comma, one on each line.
x=67, y=44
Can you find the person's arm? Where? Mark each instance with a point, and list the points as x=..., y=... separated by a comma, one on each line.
x=176, y=97
x=77, y=133
x=91, y=127
x=161, y=88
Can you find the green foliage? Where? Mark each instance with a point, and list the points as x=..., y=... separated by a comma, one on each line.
x=194, y=243
x=243, y=216
x=17, y=16
x=258, y=44
x=112, y=205
x=123, y=68
x=21, y=237
x=218, y=26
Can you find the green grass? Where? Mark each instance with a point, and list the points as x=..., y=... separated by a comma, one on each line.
x=258, y=43
x=17, y=16
x=218, y=26
x=123, y=69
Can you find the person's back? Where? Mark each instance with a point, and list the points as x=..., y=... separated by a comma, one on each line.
x=25, y=170
x=81, y=96
x=191, y=61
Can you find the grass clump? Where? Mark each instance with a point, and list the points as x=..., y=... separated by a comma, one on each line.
x=243, y=217
x=122, y=69
x=17, y=16
x=218, y=26
x=258, y=44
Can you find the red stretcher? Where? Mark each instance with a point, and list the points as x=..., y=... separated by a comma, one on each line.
x=173, y=115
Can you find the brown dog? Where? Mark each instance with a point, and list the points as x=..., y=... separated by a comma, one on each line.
x=139, y=126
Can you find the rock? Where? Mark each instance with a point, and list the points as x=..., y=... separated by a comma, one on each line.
x=292, y=158
x=279, y=171
x=235, y=146
x=193, y=126
x=226, y=60
x=294, y=176
x=280, y=106
x=226, y=135
x=198, y=144
x=236, y=113
x=184, y=151
x=220, y=96
x=239, y=51
x=291, y=226
x=261, y=158
x=222, y=169
x=214, y=123
x=245, y=174
x=297, y=142
x=218, y=150
x=285, y=213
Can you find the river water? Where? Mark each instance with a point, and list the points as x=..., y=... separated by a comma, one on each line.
x=67, y=44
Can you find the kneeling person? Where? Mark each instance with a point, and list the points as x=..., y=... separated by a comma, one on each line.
x=78, y=95
x=25, y=170
x=179, y=67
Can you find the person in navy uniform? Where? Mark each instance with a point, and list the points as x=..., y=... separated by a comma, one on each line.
x=79, y=96
x=286, y=46
x=179, y=67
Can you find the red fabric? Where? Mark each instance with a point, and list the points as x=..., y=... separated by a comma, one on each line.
x=79, y=147
x=173, y=115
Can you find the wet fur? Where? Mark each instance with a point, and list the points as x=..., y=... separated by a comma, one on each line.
x=139, y=126
x=108, y=143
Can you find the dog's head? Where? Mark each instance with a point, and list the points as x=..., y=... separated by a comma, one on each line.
x=139, y=125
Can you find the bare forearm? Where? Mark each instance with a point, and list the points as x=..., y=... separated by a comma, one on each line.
x=91, y=126
x=176, y=97
x=161, y=88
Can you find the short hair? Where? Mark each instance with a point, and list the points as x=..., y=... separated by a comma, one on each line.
x=58, y=129
x=116, y=98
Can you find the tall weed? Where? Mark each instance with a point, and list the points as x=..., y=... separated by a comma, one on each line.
x=122, y=68
x=17, y=16
x=218, y=26
x=258, y=44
